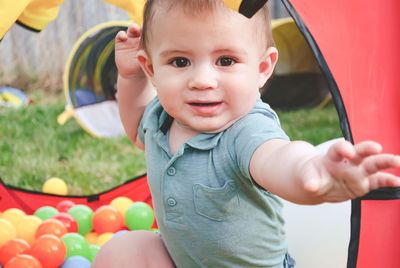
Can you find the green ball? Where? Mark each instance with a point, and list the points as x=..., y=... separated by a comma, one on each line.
x=139, y=216
x=76, y=245
x=83, y=216
x=46, y=212
x=93, y=251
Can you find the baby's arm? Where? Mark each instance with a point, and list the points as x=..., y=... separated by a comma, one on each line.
x=134, y=89
x=298, y=173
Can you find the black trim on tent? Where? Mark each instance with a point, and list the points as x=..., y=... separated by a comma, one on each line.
x=344, y=126
x=337, y=98
x=89, y=198
x=28, y=27
x=250, y=7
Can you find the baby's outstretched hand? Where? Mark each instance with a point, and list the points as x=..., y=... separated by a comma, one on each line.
x=348, y=171
x=127, y=44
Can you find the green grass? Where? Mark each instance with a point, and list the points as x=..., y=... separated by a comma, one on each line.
x=34, y=147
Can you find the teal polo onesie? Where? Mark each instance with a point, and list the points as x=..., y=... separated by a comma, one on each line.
x=209, y=211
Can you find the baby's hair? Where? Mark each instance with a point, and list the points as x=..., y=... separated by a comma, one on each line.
x=195, y=7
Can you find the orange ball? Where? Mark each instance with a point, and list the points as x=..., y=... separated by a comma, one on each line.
x=23, y=261
x=51, y=226
x=49, y=250
x=107, y=219
x=13, y=248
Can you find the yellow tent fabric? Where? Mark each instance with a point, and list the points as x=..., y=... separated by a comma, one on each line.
x=134, y=8
x=34, y=14
x=295, y=55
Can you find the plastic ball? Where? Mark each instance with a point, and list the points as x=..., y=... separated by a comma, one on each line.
x=94, y=249
x=49, y=250
x=139, y=216
x=23, y=261
x=13, y=248
x=76, y=262
x=76, y=245
x=68, y=221
x=13, y=215
x=83, y=216
x=46, y=212
x=26, y=228
x=52, y=227
x=64, y=205
x=55, y=186
x=121, y=203
x=104, y=238
x=91, y=237
x=7, y=231
x=107, y=219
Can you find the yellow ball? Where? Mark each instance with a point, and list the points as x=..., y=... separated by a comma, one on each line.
x=103, y=238
x=7, y=231
x=91, y=237
x=55, y=186
x=26, y=228
x=121, y=204
x=13, y=215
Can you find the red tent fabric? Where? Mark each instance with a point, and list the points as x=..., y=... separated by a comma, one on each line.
x=357, y=46
x=14, y=197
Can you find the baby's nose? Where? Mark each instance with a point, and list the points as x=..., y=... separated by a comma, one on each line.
x=203, y=77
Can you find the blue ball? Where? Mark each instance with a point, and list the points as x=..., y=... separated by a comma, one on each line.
x=120, y=233
x=76, y=262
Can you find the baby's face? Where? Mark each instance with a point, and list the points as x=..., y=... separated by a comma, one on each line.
x=207, y=69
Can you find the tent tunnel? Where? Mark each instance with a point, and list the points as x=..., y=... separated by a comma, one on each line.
x=297, y=80
x=90, y=77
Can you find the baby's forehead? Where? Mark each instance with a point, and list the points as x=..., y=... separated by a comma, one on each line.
x=181, y=13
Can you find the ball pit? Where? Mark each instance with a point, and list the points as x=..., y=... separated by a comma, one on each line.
x=68, y=234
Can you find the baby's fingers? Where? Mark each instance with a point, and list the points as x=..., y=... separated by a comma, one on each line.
x=380, y=162
x=121, y=36
x=341, y=150
x=133, y=31
x=383, y=179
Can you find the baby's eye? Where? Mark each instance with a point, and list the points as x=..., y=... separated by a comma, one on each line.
x=225, y=61
x=180, y=62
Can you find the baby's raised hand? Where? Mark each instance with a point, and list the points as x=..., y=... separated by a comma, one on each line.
x=127, y=44
x=348, y=171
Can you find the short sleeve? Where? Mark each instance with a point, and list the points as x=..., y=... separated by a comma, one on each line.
x=149, y=118
x=256, y=128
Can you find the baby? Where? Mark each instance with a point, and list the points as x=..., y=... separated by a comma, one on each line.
x=218, y=161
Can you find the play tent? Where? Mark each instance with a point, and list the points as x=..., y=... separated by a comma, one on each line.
x=90, y=77
x=356, y=46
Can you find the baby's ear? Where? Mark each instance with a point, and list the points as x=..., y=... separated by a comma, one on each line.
x=145, y=63
x=267, y=65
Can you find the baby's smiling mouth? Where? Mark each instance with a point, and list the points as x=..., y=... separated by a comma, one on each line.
x=205, y=104
x=204, y=108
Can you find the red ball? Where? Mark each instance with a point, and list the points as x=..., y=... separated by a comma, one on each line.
x=23, y=261
x=68, y=221
x=51, y=226
x=49, y=250
x=107, y=219
x=13, y=248
x=64, y=205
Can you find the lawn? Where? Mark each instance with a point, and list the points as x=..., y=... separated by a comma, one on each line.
x=33, y=147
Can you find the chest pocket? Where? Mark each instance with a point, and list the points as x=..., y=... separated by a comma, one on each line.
x=215, y=203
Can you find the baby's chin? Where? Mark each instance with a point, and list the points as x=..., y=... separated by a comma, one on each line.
x=212, y=128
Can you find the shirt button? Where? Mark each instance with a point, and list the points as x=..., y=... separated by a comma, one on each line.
x=171, y=171
x=171, y=202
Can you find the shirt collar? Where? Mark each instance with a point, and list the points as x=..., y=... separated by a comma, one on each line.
x=202, y=141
